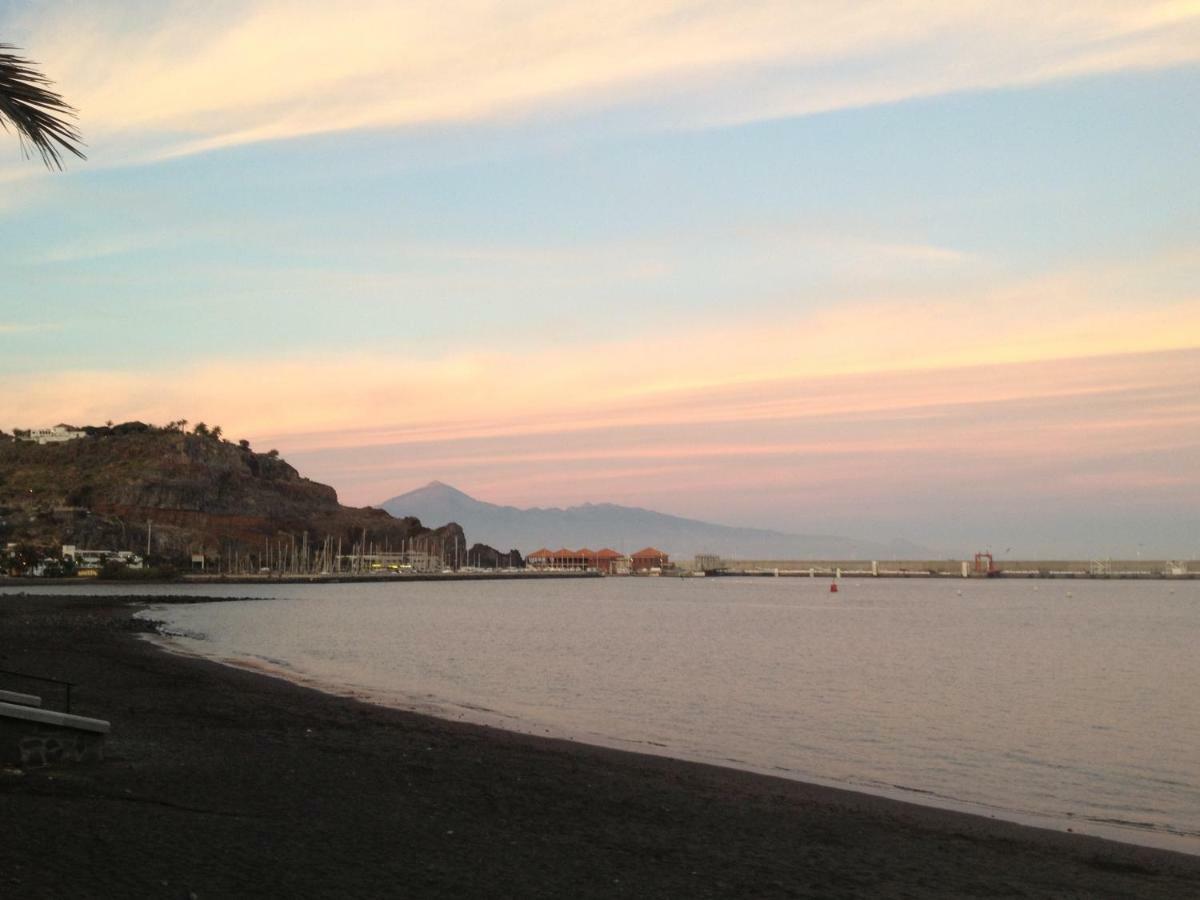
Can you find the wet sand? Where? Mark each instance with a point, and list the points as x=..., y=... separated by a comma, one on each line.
x=220, y=782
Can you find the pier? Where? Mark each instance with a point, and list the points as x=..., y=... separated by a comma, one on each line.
x=953, y=568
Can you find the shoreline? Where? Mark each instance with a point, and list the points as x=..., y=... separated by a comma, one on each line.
x=209, y=759
x=1131, y=834
x=22, y=581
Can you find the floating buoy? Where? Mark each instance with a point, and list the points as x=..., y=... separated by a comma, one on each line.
x=833, y=587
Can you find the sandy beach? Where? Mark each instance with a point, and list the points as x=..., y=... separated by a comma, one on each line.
x=220, y=782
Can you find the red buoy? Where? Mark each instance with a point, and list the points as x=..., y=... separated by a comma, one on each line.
x=833, y=587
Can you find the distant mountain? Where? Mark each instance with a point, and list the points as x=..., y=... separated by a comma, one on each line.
x=627, y=529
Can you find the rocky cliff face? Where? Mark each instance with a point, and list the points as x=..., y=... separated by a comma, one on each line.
x=190, y=493
x=484, y=557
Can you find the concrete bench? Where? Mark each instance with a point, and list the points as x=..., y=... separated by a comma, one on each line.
x=30, y=736
x=21, y=699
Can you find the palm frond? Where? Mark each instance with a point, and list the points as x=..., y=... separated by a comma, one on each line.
x=40, y=117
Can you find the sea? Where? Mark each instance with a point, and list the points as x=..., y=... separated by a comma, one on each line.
x=1064, y=704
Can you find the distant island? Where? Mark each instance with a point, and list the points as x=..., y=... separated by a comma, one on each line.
x=628, y=528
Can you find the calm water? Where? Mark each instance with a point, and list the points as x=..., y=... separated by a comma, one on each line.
x=1026, y=698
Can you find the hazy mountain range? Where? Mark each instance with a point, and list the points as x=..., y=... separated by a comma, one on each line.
x=627, y=529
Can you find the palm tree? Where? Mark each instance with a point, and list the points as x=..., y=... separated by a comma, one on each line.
x=40, y=117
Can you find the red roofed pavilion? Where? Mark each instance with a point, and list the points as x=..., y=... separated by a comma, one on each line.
x=649, y=558
x=606, y=560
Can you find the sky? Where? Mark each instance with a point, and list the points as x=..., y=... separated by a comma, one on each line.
x=917, y=269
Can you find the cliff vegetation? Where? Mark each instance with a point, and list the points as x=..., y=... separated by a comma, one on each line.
x=180, y=492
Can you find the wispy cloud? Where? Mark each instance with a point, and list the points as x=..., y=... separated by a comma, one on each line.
x=705, y=370
x=26, y=328
x=873, y=413
x=870, y=443
x=98, y=248
x=18, y=191
x=177, y=78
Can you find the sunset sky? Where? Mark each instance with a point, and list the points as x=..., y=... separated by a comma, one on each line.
x=924, y=269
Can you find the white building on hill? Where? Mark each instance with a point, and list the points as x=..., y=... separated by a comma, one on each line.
x=56, y=435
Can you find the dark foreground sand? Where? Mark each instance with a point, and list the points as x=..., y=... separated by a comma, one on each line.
x=220, y=782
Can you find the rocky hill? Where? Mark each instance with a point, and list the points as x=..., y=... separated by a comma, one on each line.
x=189, y=492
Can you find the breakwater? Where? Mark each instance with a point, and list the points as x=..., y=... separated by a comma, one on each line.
x=954, y=568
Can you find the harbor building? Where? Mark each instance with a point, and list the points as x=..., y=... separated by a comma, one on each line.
x=649, y=559
x=90, y=562
x=607, y=561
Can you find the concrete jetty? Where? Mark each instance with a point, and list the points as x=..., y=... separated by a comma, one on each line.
x=956, y=568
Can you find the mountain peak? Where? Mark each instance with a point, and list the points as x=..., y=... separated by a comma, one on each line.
x=435, y=492
x=439, y=487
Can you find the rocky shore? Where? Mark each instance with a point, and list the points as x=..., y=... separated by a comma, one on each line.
x=218, y=782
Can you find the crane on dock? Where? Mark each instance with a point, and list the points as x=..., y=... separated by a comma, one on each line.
x=985, y=565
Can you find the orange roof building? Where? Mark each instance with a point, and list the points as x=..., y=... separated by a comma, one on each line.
x=607, y=560
x=649, y=558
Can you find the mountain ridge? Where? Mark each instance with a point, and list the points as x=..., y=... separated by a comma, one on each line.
x=621, y=527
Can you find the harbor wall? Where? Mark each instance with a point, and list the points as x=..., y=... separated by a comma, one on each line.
x=1006, y=568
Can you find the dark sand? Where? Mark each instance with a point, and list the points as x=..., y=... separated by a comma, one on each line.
x=221, y=782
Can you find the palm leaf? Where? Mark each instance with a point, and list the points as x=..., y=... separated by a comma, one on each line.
x=40, y=117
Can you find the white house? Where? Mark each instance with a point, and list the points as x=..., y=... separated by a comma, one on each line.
x=56, y=435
